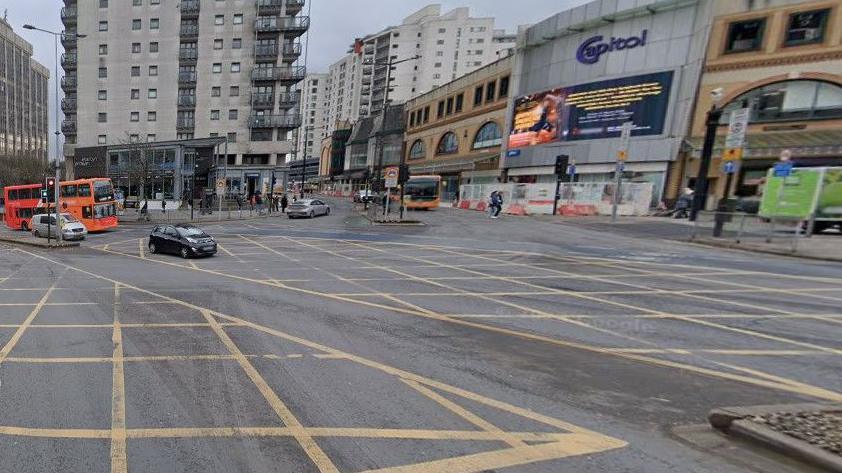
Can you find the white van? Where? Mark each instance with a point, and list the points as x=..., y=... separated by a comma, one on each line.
x=71, y=228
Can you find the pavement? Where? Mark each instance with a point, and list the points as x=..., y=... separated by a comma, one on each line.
x=465, y=344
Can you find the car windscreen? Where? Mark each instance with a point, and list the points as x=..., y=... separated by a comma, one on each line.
x=190, y=232
x=69, y=218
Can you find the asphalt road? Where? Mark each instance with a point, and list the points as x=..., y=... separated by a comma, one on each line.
x=467, y=344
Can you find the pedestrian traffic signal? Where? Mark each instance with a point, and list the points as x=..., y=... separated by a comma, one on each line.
x=403, y=173
x=561, y=162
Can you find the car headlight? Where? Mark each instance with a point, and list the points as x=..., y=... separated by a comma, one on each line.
x=192, y=240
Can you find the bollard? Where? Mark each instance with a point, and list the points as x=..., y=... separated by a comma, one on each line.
x=742, y=227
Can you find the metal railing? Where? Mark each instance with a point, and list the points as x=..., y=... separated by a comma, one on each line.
x=185, y=123
x=186, y=77
x=264, y=50
x=189, y=30
x=749, y=229
x=69, y=14
x=68, y=83
x=68, y=126
x=69, y=38
x=68, y=103
x=188, y=54
x=68, y=60
x=291, y=24
x=186, y=100
x=292, y=49
x=262, y=99
x=275, y=121
x=278, y=73
x=189, y=7
x=289, y=99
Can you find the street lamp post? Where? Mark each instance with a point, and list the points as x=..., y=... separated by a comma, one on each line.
x=58, y=127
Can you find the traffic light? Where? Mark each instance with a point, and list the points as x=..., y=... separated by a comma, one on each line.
x=51, y=189
x=561, y=162
x=403, y=173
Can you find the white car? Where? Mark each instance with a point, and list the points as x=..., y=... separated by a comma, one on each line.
x=308, y=208
x=71, y=228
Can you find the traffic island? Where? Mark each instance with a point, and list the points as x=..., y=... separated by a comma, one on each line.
x=23, y=238
x=811, y=433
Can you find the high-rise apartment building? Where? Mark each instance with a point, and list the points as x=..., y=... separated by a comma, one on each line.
x=156, y=70
x=24, y=95
x=313, y=105
x=428, y=49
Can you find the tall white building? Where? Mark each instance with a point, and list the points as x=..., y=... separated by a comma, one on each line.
x=428, y=49
x=159, y=70
x=314, y=91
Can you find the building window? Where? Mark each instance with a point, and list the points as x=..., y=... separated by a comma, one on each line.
x=100, y=139
x=238, y=19
x=235, y=67
x=442, y=30
x=103, y=72
x=135, y=71
x=135, y=48
x=153, y=70
x=418, y=150
x=216, y=91
x=134, y=116
x=153, y=47
x=219, y=20
x=232, y=137
x=438, y=64
x=488, y=135
x=103, y=3
x=237, y=43
x=436, y=76
x=504, y=87
x=440, y=110
x=448, y=144
x=103, y=49
x=489, y=91
x=426, y=114
x=135, y=95
x=745, y=35
x=151, y=116
x=214, y=115
x=154, y=2
x=137, y=3
x=449, y=108
x=136, y=25
x=152, y=93
x=806, y=27
x=790, y=100
x=102, y=95
x=150, y=138
x=154, y=23
x=478, y=96
x=234, y=91
x=103, y=26
x=216, y=68
x=232, y=114
x=134, y=138
x=460, y=99
x=441, y=41
x=217, y=44
x=102, y=117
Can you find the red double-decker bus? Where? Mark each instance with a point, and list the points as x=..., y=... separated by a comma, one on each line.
x=22, y=203
x=89, y=200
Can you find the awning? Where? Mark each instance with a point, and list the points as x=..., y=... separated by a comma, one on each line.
x=770, y=144
x=450, y=165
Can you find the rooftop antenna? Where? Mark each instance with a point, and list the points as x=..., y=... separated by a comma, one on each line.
x=5, y=14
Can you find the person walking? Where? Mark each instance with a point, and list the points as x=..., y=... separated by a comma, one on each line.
x=492, y=201
x=239, y=206
x=497, y=206
x=163, y=205
x=284, y=203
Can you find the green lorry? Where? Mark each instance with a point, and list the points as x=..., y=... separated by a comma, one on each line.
x=805, y=194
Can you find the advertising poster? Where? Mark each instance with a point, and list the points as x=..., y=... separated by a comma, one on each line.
x=592, y=111
x=793, y=196
x=830, y=197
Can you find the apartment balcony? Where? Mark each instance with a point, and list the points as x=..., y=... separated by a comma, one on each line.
x=68, y=126
x=291, y=51
x=380, y=76
x=288, y=25
x=69, y=38
x=69, y=15
x=188, y=55
x=69, y=61
x=68, y=84
x=266, y=51
x=289, y=75
x=289, y=121
x=262, y=100
x=365, y=91
x=190, y=8
x=288, y=100
x=186, y=101
x=269, y=7
x=369, y=49
x=366, y=80
x=189, y=31
x=186, y=78
x=185, y=124
x=367, y=71
x=294, y=7
x=68, y=104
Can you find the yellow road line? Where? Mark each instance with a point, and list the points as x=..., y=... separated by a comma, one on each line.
x=311, y=448
x=119, y=462
x=139, y=248
x=10, y=345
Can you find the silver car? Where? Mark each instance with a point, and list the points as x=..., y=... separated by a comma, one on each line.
x=308, y=208
x=71, y=228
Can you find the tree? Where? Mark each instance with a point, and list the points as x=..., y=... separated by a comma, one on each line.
x=138, y=167
x=16, y=170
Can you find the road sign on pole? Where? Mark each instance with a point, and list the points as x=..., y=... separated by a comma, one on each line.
x=625, y=137
x=391, y=175
x=734, y=141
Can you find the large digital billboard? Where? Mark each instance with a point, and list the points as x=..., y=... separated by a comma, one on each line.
x=592, y=111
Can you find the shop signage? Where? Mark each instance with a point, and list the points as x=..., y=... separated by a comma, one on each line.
x=592, y=48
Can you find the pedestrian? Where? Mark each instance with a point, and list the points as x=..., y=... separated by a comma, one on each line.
x=251, y=203
x=284, y=203
x=163, y=205
x=239, y=206
x=492, y=201
x=498, y=205
x=682, y=205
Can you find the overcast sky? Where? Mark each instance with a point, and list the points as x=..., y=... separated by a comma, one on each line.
x=335, y=23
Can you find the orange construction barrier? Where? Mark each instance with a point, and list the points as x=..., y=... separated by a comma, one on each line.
x=465, y=204
x=481, y=206
x=516, y=209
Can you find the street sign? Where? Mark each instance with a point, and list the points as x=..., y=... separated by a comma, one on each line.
x=571, y=170
x=625, y=137
x=621, y=166
x=734, y=141
x=783, y=169
x=391, y=174
x=729, y=167
x=220, y=185
x=512, y=153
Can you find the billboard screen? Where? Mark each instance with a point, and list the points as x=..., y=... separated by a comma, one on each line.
x=592, y=111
